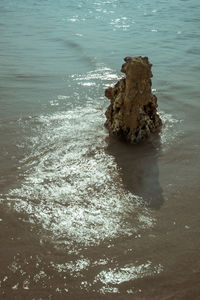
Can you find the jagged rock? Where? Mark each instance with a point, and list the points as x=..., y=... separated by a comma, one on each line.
x=132, y=112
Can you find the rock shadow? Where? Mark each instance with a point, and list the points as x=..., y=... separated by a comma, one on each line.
x=138, y=168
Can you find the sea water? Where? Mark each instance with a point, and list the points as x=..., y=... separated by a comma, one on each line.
x=85, y=216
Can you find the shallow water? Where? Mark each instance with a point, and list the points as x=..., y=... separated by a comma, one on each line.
x=83, y=215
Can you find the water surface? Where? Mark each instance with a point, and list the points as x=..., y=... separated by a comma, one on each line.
x=83, y=215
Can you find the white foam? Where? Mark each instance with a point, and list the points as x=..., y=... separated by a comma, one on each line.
x=127, y=273
x=170, y=130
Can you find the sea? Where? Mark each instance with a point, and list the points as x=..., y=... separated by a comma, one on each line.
x=84, y=215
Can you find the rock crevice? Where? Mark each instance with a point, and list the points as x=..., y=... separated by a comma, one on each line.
x=132, y=112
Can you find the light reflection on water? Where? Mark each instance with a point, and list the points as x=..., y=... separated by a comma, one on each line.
x=73, y=188
x=71, y=185
x=72, y=224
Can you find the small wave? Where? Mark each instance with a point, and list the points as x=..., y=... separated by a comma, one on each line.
x=102, y=74
x=127, y=273
x=170, y=130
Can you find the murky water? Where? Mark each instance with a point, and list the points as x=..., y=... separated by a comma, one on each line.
x=82, y=215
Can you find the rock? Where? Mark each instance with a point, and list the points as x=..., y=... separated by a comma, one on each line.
x=132, y=112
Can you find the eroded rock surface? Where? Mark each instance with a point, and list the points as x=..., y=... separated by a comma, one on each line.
x=132, y=112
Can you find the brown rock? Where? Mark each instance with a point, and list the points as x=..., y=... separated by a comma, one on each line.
x=132, y=112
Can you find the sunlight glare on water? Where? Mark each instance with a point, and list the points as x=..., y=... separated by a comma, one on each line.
x=72, y=187
x=83, y=215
